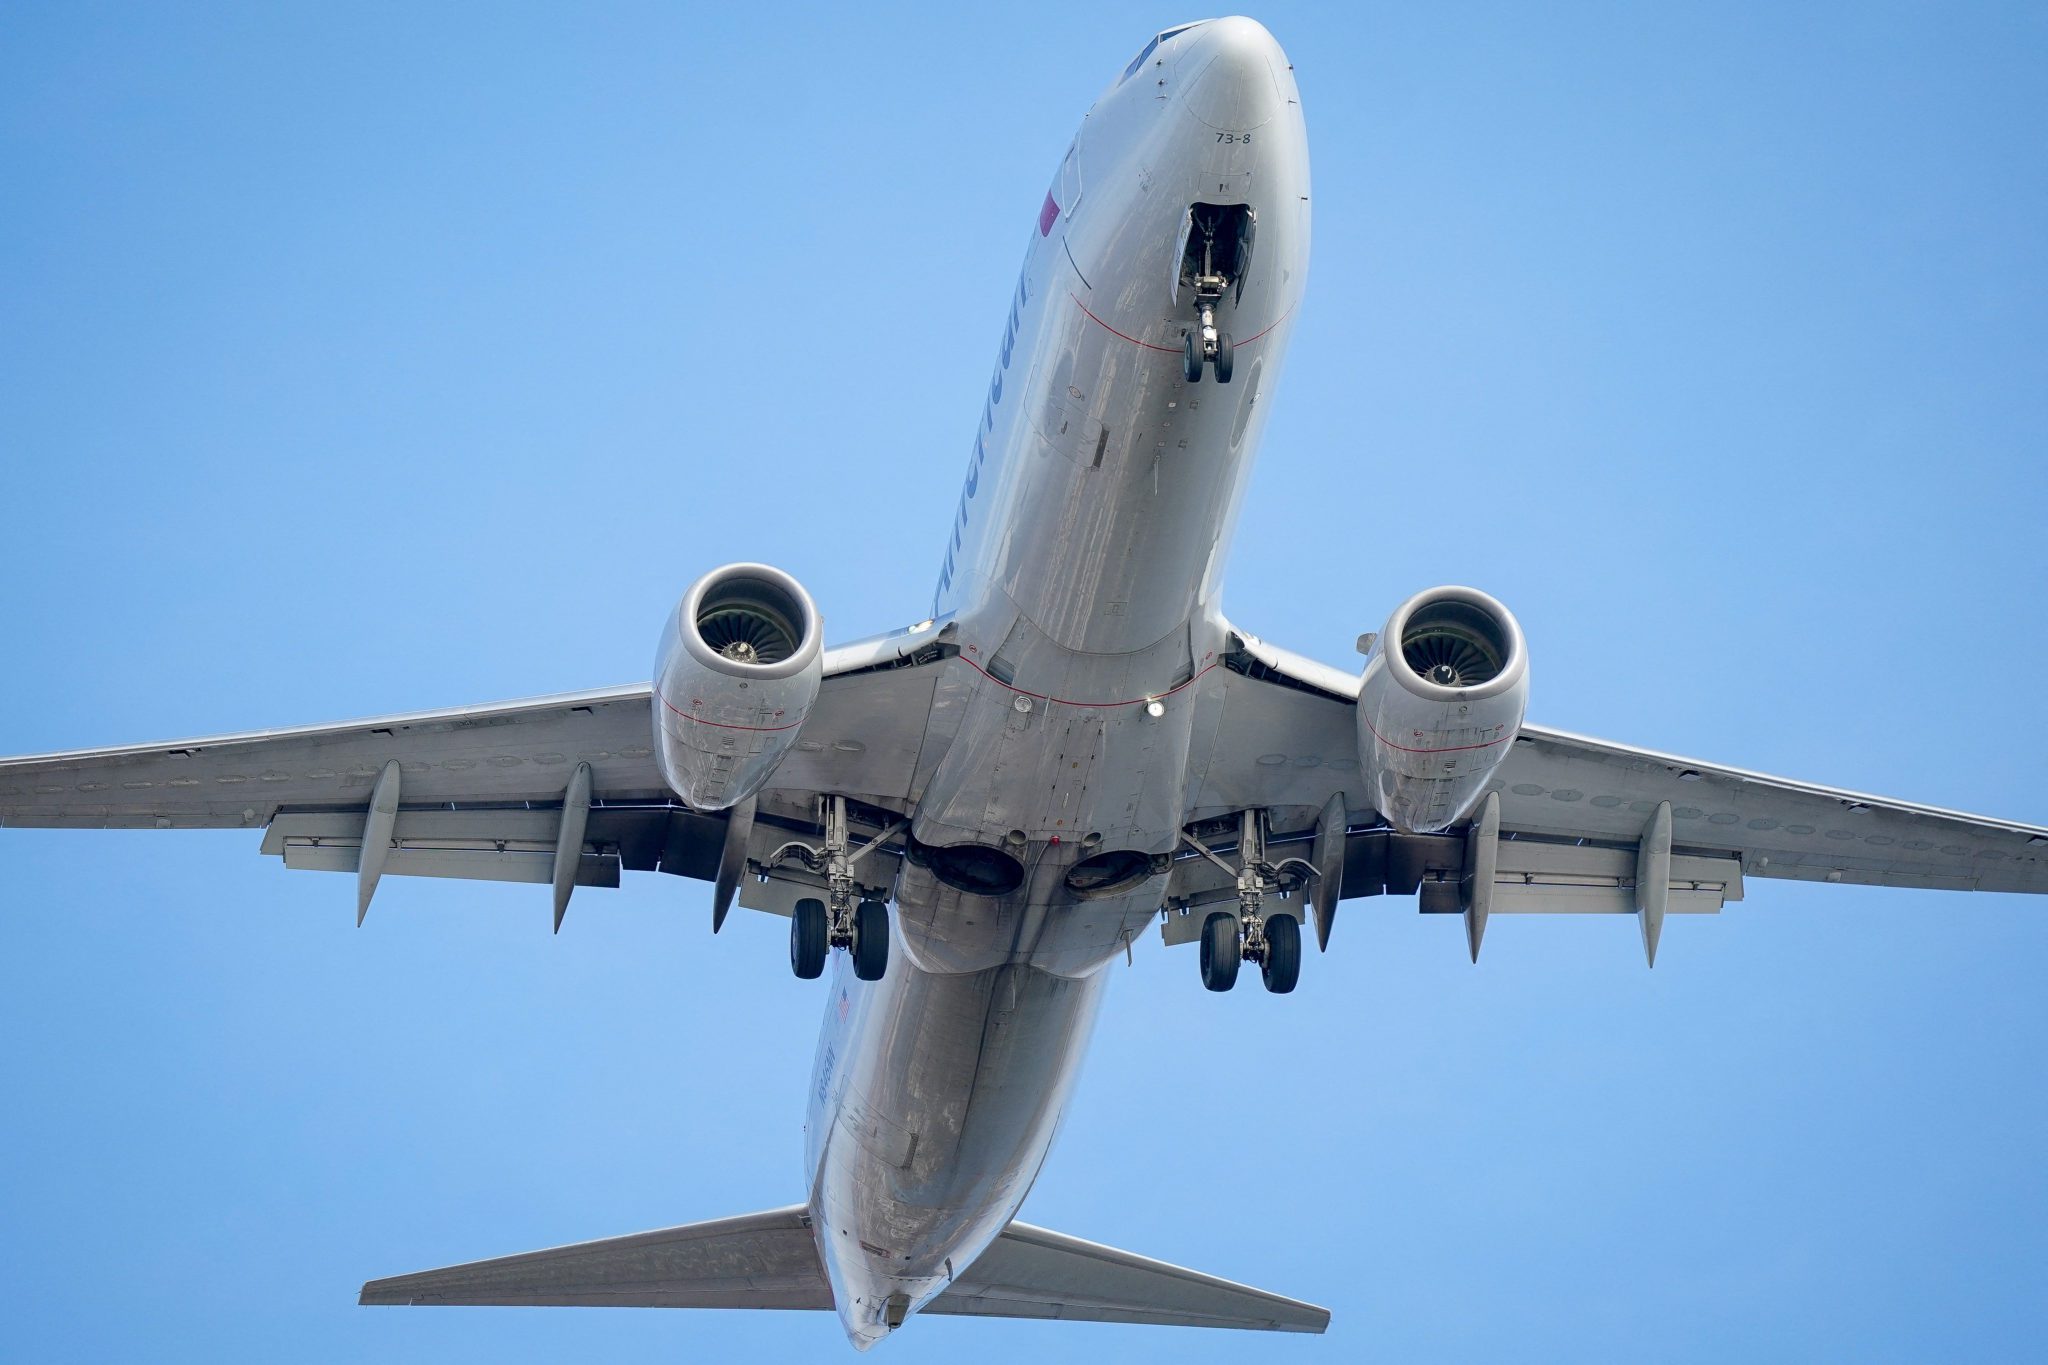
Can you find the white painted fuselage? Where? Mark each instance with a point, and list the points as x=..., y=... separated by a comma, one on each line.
x=1080, y=578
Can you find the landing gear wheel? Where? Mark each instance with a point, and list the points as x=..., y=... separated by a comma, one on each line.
x=1220, y=951
x=871, y=940
x=1191, y=359
x=1223, y=359
x=807, y=939
x=1282, y=967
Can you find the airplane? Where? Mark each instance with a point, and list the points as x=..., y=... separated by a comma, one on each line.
x=969, y=819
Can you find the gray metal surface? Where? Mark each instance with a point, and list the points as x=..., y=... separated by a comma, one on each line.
x=757, y=1260
x=499, y=754
x=1569, y=786
x=504, y=753
x=933, y=1100
x=770, y=1260
x=1031, y=1272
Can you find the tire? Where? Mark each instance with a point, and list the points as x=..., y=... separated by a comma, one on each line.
x=807, y=944
x=871, y=940
x=1282, y=967
x=1220, y=951
x=1223, y=358
x=1191, y=359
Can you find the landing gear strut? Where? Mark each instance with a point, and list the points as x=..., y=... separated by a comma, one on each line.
x=1209, y=271
x=1250, y=935
x=845, y=918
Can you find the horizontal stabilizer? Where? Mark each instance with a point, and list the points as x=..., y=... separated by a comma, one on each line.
x=1035, y=1273
x=768, y=1260
x=757, y=1260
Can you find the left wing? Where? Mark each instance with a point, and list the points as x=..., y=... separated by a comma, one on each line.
x=1574, y=816
x=1563, y=785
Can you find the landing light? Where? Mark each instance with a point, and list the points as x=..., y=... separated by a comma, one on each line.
x=1155, y=708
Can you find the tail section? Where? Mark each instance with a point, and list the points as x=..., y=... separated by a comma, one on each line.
x=1037, y=1273
x=757, y=1260
x=768, y=1260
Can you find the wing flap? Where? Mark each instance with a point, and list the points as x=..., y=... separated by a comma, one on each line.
x=475, y=845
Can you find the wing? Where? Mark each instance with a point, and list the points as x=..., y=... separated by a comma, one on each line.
x=496, y=792
x=510, y=753
x=1573, y=819
x=1567, y=786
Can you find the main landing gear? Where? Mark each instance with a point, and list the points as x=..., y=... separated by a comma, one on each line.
x=846, y=918
x=811, y=937
x=1230, y=938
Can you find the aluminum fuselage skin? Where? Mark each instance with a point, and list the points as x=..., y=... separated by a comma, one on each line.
x=1081, y=577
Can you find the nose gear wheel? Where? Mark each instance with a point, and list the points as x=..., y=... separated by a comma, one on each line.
x=1213, y=263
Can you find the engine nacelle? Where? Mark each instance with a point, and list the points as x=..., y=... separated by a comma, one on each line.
x=1442, y=700
x=736, y=674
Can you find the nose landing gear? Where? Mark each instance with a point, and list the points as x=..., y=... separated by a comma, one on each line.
x=1248, y=935
x=1204, y=345
x=1216, y=249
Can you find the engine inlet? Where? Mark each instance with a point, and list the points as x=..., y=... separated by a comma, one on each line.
x=1454, y=644
x=749, y=621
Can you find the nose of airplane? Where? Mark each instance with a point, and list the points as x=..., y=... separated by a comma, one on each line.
x=1235, y=86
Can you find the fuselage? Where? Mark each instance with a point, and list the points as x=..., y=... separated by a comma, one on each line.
x=1080, y=578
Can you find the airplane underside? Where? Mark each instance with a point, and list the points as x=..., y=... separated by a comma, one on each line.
x=968, y=820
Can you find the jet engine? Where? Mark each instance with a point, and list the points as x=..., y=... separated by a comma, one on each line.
x=1442, y=699
x=736, y=674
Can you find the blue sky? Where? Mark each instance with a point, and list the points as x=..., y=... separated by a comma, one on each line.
x=388, y=357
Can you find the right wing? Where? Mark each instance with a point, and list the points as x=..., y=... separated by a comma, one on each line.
x=509, y=754
x=482, y=792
